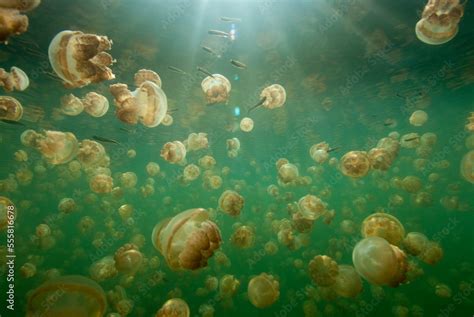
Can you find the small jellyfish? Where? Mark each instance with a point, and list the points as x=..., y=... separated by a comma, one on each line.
x=7, y=212
x=443, y=290
x=415, y=243
x=233, y=147
x=95, y=104
x=323, y=270
x=467, y=167
x=128, y=179
x=67, y=205
x=175, y=307
x=263, y=290
x=384, y=226
x=103, y=269
x=348, y=283
x=79, y=296
x=271, y=97
x=231, y=203
x=57, y=147
x=91, y=154
x=128, y=258
x=319, y=152
x=432, y=254
x=380, y=159
x=411, y=184
x=207, y=162
x=191, y=172
x=355, y=164
x=228, y=286
x=418, y=118
x=243, y=237
x=288, y=173
x=246, y=124
x=10, y=108
x=80, y=59
x=15, y=80
x=152, y=169
x=187, y=240
x=71, y=105
x=196, y=141
x=311, y=207
x=216, y=89
x=101, y=184
x=439, y=21
x=173, y=152
x=146, y=75
x=379, y=262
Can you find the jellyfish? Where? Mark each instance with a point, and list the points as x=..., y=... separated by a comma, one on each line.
x=418, y=118
x=187, y=240
x=7, y=212
x=101, y=183
x=467, y=167
x=288, y=173
x=42, y=230
x=323, y=270
x=152, y=169
x=432, y=253
x=175, y=307
x=233, y=147
x=12, y=23
x=271, y=97
x=173, y=152
x=71, y=105
x=21, y=5
x=384, y=226
x=128, y=258
x=228, y=286
x=355, y=164
x=379, y=262
x=103, y=269
x=443, y=290
x=216, y=89
x=470, y=122
x=28, y=270
x=67, y=205
x=57, y=147
x=80, y=59
x=10, y=108
x=246, y=124
x=263, y=290
x=415, y=243
x=95, y=104
x=146, y=75
x=439, y=21
x=243, y=237
x=191, y=172
x=91, y=154
x=311, y=207
x=196, y=141
x=67, y=296
x=15, y=80
x=348, y=283
x=207, y=162
x=128, y=179
x=231, y=203
x=319, y=152
x=410, y=140
x=411, y=184
x=380, y=159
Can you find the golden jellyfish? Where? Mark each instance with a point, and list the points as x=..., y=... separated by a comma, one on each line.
x=428, y=139
x=67, y=296
x=146, y=75
x=311, y=207
x=439, y=21
x=173, y=152
x=10, y=108
x=57, y=147
x=384, y=226
x=128, y=179
x=175, y=307
x=228, y=286
x=7, y=212
x=380, y=159
x=216, y=89
x=21, y=5
x=323, y=270
x=470, y=122
x=243, y=237
x=28, y=270
x=432, y=254
x=71, y=105
x=191, y=172
x=80, y=59
x=348, y=283
x=95, y=104
x=42, y=230
x=233, y=147
x=411, y=184
x=246, y=124
x=196, y=141
x=263, y=290
x=91, y=153
x=16, y=79
x=355, y=164
x=231, y=203
x=187, y=240
x=152, y=169
x=125, y=211
x=443, y=291
x=211, y=283
x=214, y=182
x=128, y=258
x=415, y=243
x=67, y=205
x=379, y=262
x=101, y=184
x=207, y=162
x=167, y=120
x=467, y=167
x=288, y=173
x=271, y=97
x=103, y=269
x=418, y=118
x=410, y=140
x=12, y=22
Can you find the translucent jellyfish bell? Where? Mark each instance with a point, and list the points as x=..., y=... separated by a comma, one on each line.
x=15, y=80
x=348, y=283
x=323, y=270
x=12, y=23
x=79, y=297
x=263, y=290
x=80, y=59
x=275, y=96
x=187, y=240
x=6, y=209
x=439, y=21
x=174, y=152
x=10, y=108
x=384, y=226
x=175, y=307
x=57, y=147
x=146, y=75
x=216, y=89
x=152, y=103
x=467, y=166
x=355, y=164
x=231, y=203
x=95, y=104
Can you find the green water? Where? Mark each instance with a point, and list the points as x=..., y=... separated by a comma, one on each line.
x=347, y=67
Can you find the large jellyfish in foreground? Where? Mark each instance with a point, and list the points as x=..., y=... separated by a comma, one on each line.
x=187, y=240
x=439, y=21
x=80, y=59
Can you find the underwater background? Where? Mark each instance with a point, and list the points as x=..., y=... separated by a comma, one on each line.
x=354, y=71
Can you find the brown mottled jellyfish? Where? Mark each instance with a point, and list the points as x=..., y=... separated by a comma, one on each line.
x=175, y=307
x=439, y=21
x=355, y=164
x=12, y=21
x=263, y=290
x=384, y=226
x=71, y=105
x=16, y=79
x=187, y=240
x=231, y=203
x=95, y=104
x=56, y=147
x=174, y=152
x=80, y=59
x=323, y=270
x=79, y=295
x=10, y=108
x=216, y=89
